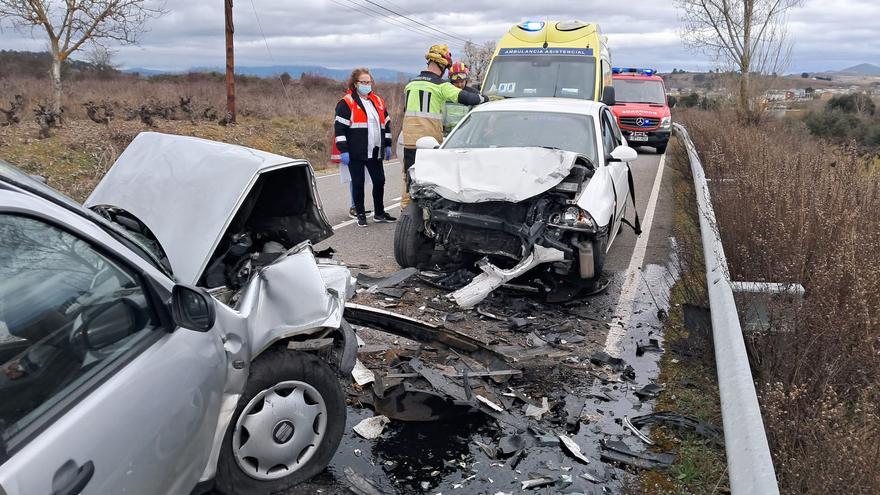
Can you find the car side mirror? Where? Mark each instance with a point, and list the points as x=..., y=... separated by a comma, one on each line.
x=623, y=154
x=427, y=143
x=670, y=101
x=111, y=323
x=608, y=97
x=192, y=308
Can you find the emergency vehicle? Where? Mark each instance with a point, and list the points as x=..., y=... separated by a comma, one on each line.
x=642, y=107
x=566, y=59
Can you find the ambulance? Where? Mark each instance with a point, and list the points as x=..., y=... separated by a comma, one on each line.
x=565, y=59
x=642, y=107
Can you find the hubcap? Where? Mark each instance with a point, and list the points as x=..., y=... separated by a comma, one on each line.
x=279, y=430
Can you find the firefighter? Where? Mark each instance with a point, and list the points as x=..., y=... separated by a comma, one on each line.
x=423, y=115
x=459, y=75
x=363, y=141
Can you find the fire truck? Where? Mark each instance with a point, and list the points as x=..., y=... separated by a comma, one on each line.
x=642, y=107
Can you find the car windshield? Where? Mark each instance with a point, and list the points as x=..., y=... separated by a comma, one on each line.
x=542, y=75
x=505, y=129
x=639, y=91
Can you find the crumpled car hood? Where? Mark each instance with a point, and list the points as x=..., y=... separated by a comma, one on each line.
x=187, y=191
x=491, y=174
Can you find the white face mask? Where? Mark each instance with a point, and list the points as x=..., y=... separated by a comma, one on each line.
x=365, y=89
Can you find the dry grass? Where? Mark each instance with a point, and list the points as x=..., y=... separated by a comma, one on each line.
x=293, y=120
x=799, y=209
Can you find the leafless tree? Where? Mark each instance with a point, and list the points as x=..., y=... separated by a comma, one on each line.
x=749, y=36
x=477, y=58
x=70, y=24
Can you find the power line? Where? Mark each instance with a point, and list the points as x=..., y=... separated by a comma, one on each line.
x=463, y=40
x=272, y=58
x=398, y=7
x=416, y=27
x=385, y=18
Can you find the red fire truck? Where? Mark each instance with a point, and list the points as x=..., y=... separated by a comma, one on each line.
x=642, y=107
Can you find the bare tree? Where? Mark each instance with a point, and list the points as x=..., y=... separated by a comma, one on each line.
x=477, y=58
x=69, y=24
x=751, y=36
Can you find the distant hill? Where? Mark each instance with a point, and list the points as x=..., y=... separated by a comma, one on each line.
x=294, y=70
x=861, y=70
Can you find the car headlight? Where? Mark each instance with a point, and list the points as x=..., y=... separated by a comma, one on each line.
x=574, y=218
x=666, y=122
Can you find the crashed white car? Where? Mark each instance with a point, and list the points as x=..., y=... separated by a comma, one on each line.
x=179, y=334
x=517, y=184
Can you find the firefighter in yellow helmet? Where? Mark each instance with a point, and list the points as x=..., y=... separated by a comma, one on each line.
x=423, y=115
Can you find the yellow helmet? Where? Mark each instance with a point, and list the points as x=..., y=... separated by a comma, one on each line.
x=440, y=55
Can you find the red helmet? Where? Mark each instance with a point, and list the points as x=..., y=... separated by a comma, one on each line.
x=458, y=71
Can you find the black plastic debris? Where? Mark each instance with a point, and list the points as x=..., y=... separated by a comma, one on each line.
x=328, y=252
x=653, y=345
x=681, y=423
x=359, y=484
x=649, y=391
x=602, y=358
x=392, y=292
x=617, y=451
x=518, y=324
x=572, y=408
x=512, y=444
x=448, y=281
x=392, y=280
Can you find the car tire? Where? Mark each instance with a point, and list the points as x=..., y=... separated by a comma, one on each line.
x=410, y=245
x=309, y=387
x=660, y=149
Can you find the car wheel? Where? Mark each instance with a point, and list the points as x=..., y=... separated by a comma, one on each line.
x=410, y=246
x=660, y=149
x=286, y=427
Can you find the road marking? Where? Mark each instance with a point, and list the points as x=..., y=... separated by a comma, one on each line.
x=392, y=162
x=353, y=220
x=623, y=311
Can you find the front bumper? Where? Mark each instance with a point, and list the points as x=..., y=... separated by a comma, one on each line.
x=652, y=138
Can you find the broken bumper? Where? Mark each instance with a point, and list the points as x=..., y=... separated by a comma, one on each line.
x=493, y=277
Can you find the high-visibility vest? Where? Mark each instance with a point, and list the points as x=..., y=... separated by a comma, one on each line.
x=358, y=119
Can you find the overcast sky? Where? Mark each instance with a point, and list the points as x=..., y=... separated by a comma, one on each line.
x=828, y=34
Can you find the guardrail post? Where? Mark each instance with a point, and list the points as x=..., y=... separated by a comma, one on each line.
x=749, y=464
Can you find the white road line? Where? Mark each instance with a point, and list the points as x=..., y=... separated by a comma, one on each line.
x=623, y=311
x=353, y=220
x=392, y=162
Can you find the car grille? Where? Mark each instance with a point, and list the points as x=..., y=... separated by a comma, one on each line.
x=639, y=122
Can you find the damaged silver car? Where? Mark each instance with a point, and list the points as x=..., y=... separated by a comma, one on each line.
x=519, y=184
x=177, y=335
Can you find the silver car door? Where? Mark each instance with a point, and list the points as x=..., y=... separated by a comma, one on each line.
x=97, y=395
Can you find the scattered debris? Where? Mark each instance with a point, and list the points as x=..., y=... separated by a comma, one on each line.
x=361, y=374
x=681, y=423
x=391, y=292
x=492, y=405
x=536, y=412
x=649, y=391
x=653, y=345
x=617, y=451
x=359, y=484
x=448, y=281
x=536, y=483
x=371, y=428
x=487, y=314
x=642, y=436
x=375, y=283
x=493, y=277
x=573, y=448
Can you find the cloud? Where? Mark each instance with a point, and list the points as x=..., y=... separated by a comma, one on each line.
x=344, y=33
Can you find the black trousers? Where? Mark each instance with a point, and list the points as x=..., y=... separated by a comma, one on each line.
x=358, y=168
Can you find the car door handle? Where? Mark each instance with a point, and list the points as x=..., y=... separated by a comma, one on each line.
x=72, y=479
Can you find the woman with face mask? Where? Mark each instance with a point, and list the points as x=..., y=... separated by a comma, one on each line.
x=362, y=141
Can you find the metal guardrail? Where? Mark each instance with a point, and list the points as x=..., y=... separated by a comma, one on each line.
x=749, y=464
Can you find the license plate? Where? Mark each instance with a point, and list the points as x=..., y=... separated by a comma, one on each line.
x=637, y=136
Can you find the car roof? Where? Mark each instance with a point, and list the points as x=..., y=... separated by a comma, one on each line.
x=543, y=104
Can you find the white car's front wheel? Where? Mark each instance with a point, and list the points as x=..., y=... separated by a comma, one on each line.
x=287, y=425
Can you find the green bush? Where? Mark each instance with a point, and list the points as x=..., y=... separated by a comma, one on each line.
x=852, y=103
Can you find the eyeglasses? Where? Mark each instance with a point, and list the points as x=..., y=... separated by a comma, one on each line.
x=368, y=81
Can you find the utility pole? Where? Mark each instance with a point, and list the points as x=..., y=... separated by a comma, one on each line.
x=230, y=64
